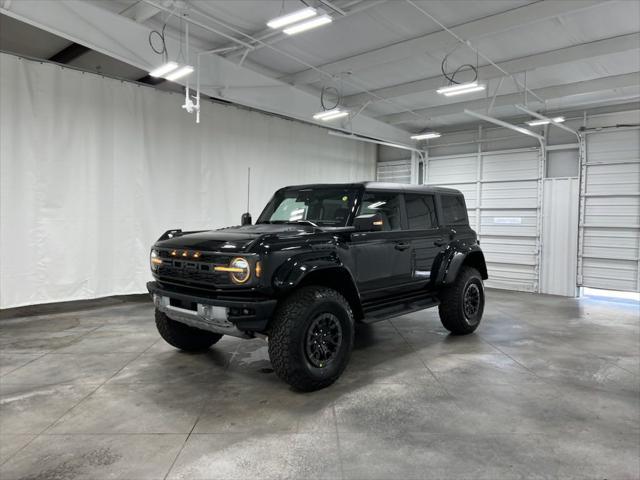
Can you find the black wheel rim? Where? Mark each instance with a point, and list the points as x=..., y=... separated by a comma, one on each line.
x=324, y=338
x=471, y=301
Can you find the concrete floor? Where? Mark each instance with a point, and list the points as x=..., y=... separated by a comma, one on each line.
x=547, y=387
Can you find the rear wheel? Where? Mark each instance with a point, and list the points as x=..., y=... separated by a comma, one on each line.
x=311, y=338
x=462, y=303
x=183, y=336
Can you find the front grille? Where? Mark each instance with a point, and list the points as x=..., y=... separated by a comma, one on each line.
x=190, y=270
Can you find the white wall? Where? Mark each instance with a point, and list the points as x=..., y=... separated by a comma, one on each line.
x=93, y=170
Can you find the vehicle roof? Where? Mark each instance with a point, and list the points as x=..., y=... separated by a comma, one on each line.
x=378, y=186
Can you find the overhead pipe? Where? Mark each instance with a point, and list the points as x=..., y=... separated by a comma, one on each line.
x=550, y=120
x=510, y=126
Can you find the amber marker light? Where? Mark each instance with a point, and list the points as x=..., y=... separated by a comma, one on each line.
x=196, y=254
x=258, y=269
x=174, y=253
x=185, y=253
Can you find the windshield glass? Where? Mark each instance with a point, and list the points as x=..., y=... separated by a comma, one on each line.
x=330, y=207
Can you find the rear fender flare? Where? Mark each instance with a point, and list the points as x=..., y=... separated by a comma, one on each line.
x=455, y=257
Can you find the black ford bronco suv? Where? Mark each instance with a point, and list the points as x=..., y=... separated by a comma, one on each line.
x=319, y=258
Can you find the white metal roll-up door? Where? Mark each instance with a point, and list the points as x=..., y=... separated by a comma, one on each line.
x=502, y=190
x=609, y=242
x=394, y=171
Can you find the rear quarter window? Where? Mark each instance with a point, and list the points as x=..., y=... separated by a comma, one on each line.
x=421, y=212
x=454, y=210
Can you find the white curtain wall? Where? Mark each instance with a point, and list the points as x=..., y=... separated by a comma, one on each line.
x=94, y=170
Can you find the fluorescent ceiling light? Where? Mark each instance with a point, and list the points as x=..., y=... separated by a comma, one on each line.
x=293, y=17
x=462, y=91
x=454, y=88
x=163, y=69
x=330, y=114
x=540, y=121
x=425, y=136
x=308, y=25
x=181, y=72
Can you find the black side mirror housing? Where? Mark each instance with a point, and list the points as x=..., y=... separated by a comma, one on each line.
x=372, y=222
x=245, y=219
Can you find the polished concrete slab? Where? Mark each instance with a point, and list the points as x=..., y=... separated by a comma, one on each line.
x=548, y=387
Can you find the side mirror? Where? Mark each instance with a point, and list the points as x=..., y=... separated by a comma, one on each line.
x=372, y=222
x=245, y=219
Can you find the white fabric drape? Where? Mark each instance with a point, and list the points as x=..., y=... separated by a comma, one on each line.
x=93, y=170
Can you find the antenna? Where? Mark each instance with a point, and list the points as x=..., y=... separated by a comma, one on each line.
x=246, y=217
x=248, y=186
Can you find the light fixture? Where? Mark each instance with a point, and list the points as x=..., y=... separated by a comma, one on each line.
x=179, y=73
x=330, y=114
x=163, y=69
x=308, y=25
x=540, y=121
x=293, y=17
x=460, y=89
x=425, y=136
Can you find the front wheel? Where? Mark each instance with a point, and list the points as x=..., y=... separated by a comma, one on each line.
x=183, y=336
x=462, y=303
x=311, y=338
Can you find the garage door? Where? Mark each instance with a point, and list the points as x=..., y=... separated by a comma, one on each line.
x=609, y=242
x=502, y=190
x=394, y=171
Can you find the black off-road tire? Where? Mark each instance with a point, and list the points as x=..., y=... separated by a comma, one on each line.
x=183, y=336
x=290, y=327
x=452, y=303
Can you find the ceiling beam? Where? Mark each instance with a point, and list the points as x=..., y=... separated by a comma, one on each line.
x=69, y=53
x=439, y=40
x=141, y=12
x=549, y=93
x=584, y=51
x=118, y=37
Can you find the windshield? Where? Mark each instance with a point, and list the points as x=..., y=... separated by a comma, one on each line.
x=329, y=207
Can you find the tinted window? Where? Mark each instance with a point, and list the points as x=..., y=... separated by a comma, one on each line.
x=454, y=210
x=386, y=204
x=421, y=212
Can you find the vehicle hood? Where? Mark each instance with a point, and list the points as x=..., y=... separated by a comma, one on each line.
x=234, y=238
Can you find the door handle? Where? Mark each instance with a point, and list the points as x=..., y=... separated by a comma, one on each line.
x=439, y=242
x=401, y=246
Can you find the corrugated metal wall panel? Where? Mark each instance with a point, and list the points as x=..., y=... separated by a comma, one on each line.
x=506, y=213
x=610, y=218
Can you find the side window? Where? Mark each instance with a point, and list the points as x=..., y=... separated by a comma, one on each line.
x=386, y=204
x=421, y=211
x=454, y=210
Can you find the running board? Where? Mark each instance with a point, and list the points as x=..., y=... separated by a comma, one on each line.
x=382, y=310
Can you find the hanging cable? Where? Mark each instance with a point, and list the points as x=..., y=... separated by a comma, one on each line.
x=329, y=91
x=451, y=77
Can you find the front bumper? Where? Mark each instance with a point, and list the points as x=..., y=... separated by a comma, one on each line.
x=238, y=318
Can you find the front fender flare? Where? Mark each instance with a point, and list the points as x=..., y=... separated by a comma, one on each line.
x=293, y=271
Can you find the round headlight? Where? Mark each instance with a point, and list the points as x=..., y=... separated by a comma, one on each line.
x=155, y=259
x=242, y=270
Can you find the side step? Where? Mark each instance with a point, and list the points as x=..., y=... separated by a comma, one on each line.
x=400, y=305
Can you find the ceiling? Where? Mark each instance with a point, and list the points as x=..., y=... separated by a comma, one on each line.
x=383, y=56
